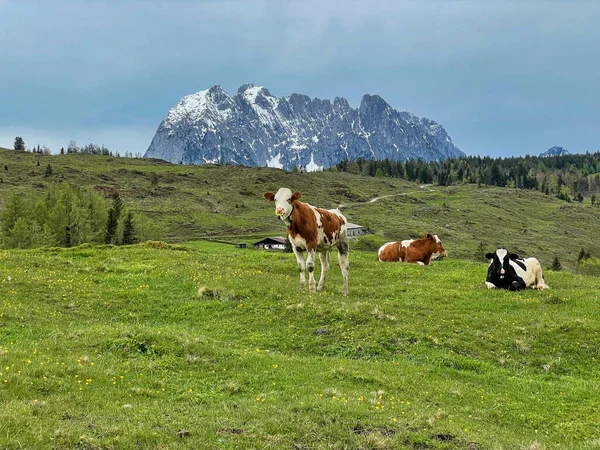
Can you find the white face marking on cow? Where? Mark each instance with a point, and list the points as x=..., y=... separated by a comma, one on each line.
x=283, y=208
x=502, y=253
x=437, y=239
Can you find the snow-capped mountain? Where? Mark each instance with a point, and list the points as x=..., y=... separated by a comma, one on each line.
x=555, y=151
x=254, y=128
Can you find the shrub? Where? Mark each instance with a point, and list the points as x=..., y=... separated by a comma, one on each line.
x=369, y=242
x=589, y=266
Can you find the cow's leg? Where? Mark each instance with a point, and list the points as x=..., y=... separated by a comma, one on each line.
x=344, y=263
x=310, y=265
x=300, y=260
x=324, y=256
x=540, y=284
x=490, y=285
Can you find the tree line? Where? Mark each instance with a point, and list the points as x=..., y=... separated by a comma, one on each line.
x=570, y=177
x=89, y=149
x=66, y=217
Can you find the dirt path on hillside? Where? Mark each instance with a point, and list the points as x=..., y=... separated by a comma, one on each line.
x=424, y=187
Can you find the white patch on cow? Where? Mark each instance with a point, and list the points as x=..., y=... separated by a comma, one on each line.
x=317, y=216
x=405, y=243
x=437, y=239
x=501, y=252
x=298, y=241
x=533, y=275
x=490, y=285
x=421, y=263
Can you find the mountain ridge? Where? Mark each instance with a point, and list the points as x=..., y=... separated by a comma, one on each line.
x=255, y=128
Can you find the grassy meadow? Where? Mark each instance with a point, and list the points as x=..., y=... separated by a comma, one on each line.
x=196, y=344
x=206, y=346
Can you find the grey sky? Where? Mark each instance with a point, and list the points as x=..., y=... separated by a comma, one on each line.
x=504, y=78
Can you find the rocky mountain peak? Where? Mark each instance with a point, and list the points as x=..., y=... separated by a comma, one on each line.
x=256, y=128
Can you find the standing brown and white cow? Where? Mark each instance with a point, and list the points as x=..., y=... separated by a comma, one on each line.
x=312, y=230
x=421, y=251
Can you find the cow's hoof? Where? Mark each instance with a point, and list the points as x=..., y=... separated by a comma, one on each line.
x=513, y=287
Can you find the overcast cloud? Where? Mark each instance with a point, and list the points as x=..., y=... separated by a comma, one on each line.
x=504, y=78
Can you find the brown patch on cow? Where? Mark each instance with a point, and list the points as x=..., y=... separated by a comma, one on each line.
x=269, y=196
x=304, y=224
x=332, y=223
x=392, y=252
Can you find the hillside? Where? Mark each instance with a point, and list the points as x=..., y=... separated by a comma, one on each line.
x=204, y=345
x=225, y=202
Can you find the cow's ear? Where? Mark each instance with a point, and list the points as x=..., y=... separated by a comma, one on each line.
x=489, y=256
x=295, y=196
x=430, y=237
x=513, y=256
x=269, y=196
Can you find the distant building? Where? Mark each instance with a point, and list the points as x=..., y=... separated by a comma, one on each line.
x=270, y=243
x=240, y=245
x=355, y=230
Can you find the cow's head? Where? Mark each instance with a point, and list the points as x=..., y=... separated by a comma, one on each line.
x=501, y=261
x=284, y=200
x=437, y=248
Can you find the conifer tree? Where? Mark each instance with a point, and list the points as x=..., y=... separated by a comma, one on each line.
x=128, y=230
x=19, y=143
x=556, y=265
x=113, y=218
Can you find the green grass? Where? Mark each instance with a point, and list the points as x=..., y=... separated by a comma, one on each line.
x=206, y=346
x=226, y=202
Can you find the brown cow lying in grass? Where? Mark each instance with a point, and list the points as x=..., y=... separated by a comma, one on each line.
x=420, y=251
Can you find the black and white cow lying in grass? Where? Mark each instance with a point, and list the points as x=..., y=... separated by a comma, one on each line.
x=508, y=271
